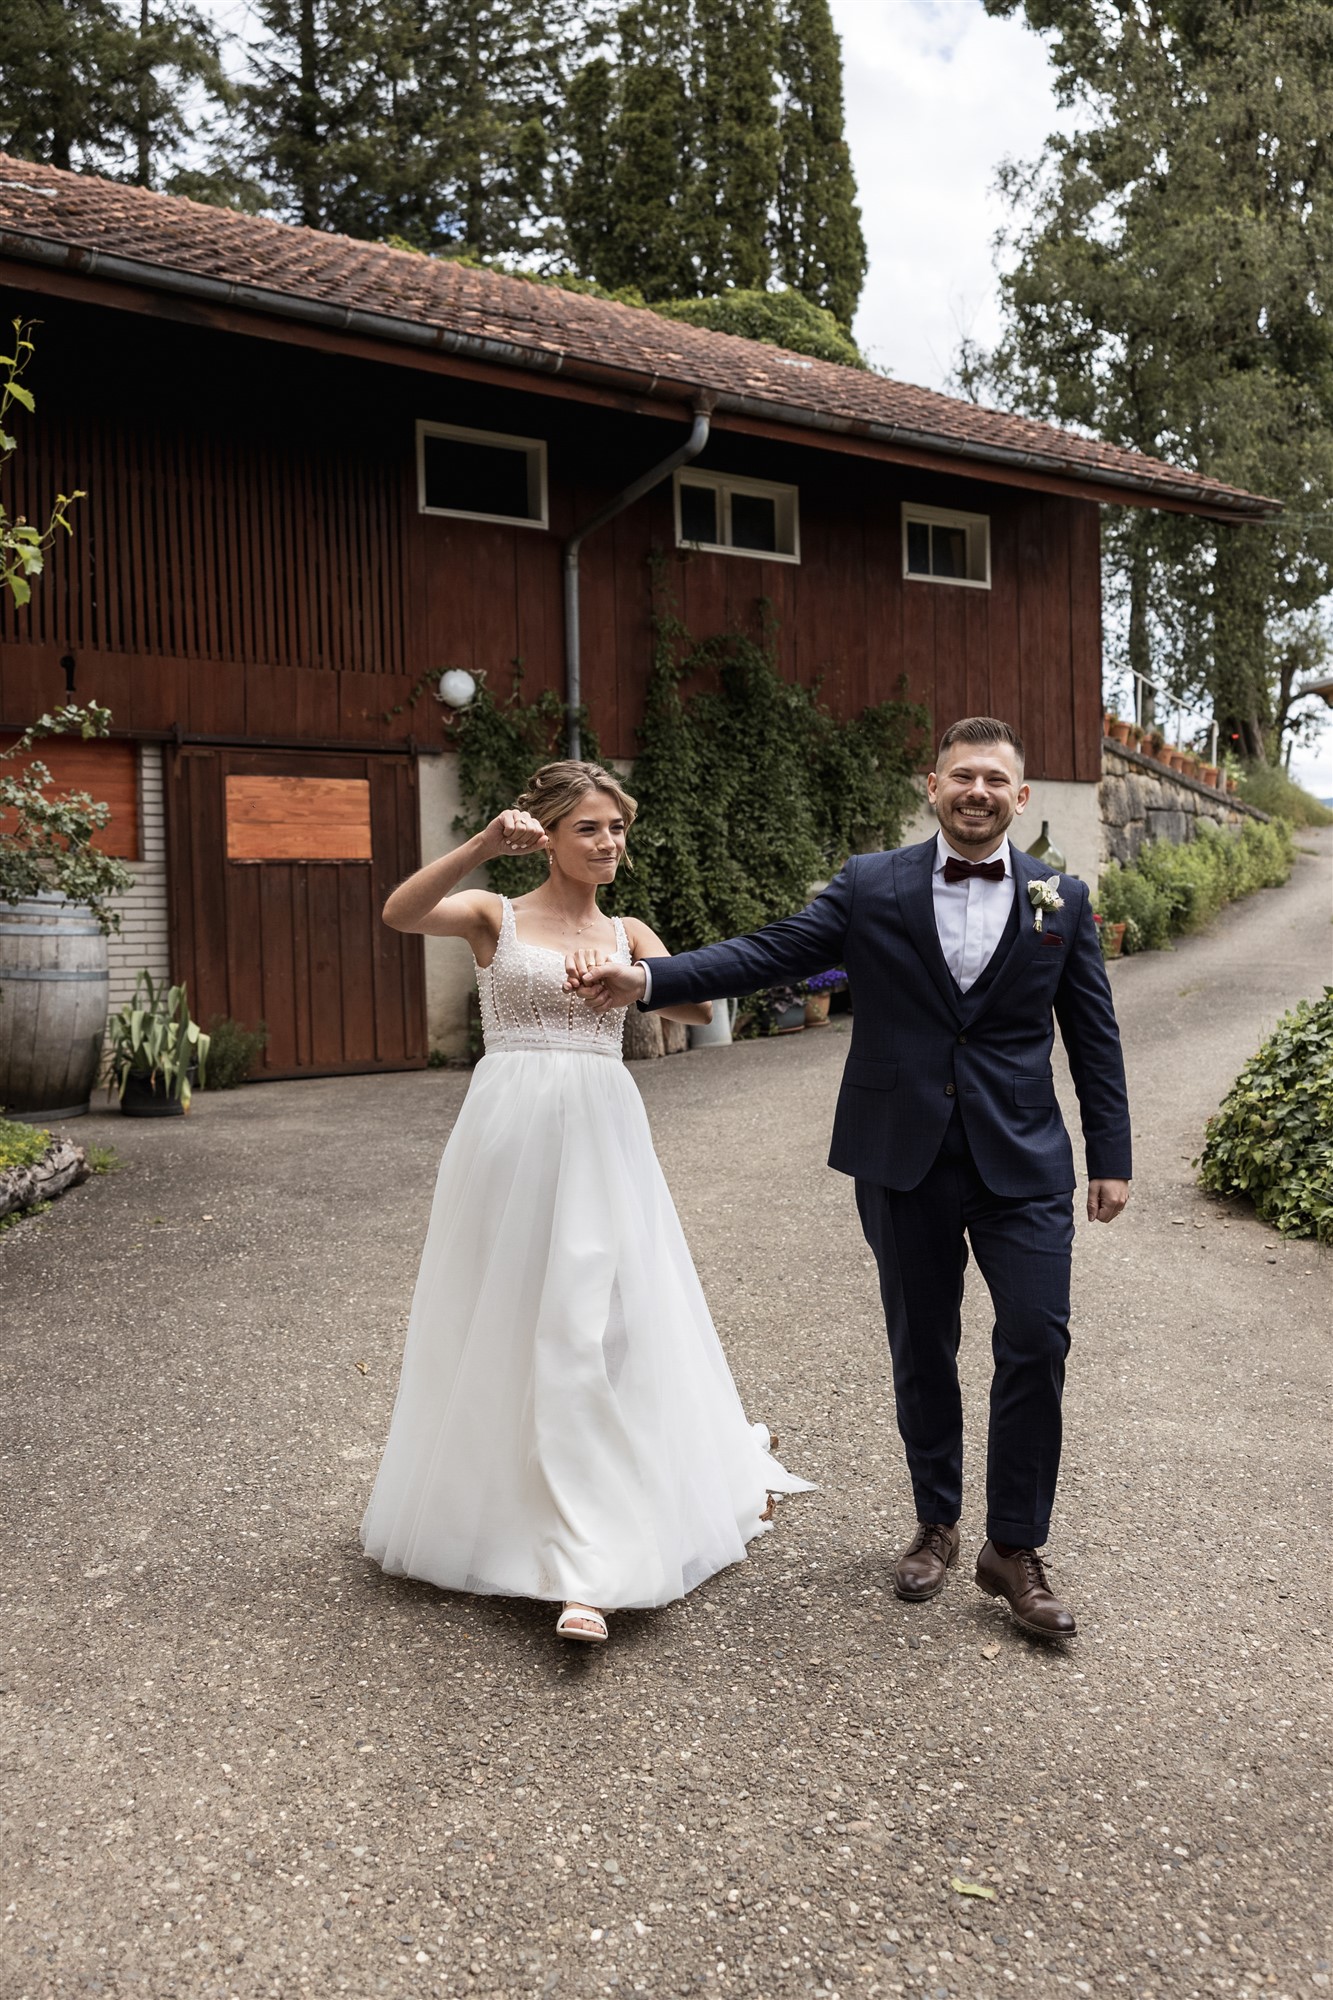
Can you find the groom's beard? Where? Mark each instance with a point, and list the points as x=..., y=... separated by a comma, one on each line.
x=982, y=832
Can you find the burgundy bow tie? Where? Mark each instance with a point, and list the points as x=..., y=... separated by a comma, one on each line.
x=963, y=871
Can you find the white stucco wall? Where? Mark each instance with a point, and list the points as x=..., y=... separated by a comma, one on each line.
x=141, y=940
x=449, y=974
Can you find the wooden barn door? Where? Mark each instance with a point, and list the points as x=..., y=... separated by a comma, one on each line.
x=278, y=866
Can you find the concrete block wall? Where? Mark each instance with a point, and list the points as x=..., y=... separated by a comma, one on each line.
x=142, y=938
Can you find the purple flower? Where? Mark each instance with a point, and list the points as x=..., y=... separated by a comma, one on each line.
x=826, y=982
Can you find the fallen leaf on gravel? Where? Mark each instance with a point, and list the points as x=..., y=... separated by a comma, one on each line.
x=360, y=1367
x=963, y=1888
x=990, y=1652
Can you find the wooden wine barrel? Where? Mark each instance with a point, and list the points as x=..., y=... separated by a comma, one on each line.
x=54, y=997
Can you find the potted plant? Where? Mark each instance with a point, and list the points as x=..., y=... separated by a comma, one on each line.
x=819, y=991
x=1122, y=731
x=1154, y=744
x=1208, y=775
x=786, y=1007
x=1111, y=936
x=155, y=1052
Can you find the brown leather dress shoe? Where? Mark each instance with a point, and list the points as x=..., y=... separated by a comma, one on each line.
x=1021, y=1580
x=920, y=1570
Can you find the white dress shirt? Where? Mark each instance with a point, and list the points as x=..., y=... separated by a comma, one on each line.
x=970, y=916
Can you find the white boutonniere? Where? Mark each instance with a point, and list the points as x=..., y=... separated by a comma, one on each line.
x=1045, y=896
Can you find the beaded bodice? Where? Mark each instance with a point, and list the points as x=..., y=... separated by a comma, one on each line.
x=524, y=1005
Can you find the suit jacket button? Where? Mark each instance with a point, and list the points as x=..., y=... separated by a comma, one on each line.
x=962, y=1038
x=948, y=1090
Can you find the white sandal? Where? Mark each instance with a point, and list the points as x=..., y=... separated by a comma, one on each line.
x=582, y=1622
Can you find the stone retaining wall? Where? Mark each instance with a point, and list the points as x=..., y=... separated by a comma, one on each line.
x=1141, y=800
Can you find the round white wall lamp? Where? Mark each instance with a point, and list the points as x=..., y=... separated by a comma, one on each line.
x=456, y=687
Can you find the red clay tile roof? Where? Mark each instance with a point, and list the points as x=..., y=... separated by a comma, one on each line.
x=77, y=222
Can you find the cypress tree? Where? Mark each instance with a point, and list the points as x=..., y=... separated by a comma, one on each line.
x=735, y=177
x=648, y=151
x=821, y=250
x=586, y=193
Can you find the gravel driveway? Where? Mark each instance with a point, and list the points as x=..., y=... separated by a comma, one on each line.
x=239, y=1762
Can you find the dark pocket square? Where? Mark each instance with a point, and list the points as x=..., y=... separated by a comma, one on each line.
x=1049, y=937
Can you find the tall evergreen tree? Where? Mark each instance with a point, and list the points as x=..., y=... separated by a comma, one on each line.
x=425, y=119
x=684, y=176
x=626, y=200
x=735, y=175
x=308, y=107
x=1170, y=292
x=86, y=85
x=821, y=250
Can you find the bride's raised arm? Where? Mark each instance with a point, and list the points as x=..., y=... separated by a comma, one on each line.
x=426, y=902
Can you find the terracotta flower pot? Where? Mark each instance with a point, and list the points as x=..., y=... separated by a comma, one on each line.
x=1208, y=775
x=816, y=1009
x=1122, y=732
x=1113, y=939
x=1232, y=785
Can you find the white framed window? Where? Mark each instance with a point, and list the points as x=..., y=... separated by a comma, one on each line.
x=737, y=517
x=481, y=475
x=940, y=546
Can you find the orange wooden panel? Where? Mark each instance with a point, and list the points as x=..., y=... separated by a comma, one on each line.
x=298, y=819
x=108, y=771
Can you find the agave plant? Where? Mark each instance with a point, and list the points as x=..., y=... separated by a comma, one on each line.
x=154, y=1036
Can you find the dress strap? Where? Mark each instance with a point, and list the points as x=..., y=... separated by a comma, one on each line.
x=622, y=938
x=508, y=923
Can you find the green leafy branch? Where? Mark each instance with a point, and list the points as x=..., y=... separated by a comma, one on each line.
x=22, y=545
x=47, y=839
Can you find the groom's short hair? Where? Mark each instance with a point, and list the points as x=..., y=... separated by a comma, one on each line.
x=980, y=729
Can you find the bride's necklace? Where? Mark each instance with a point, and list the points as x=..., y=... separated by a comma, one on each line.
x=554, y=923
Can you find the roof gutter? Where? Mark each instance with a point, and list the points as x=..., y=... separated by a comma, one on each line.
x=58, y=255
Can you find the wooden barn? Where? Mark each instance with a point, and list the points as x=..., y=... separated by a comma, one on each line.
x=318, y=470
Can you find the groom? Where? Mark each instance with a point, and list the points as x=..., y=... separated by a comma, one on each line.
x=962, y=954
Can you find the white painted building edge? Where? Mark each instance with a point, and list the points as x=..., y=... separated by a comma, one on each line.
x=1070, y=808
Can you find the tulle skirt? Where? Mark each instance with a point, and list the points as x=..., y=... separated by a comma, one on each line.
x=566, y=1424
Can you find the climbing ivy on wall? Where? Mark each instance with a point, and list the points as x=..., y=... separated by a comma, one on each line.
x=750, y=789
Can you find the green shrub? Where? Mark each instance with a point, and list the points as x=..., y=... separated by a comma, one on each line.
x=21, y=1145
x=1125, y=895
x=782, y=319
x=233, y=1051
x=1268, y=787
x=1173, y=888
x=1272, y=1139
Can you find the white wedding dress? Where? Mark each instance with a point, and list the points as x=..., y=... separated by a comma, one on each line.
x=566, y=1423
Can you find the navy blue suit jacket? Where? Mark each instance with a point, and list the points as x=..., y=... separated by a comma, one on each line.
x=919, y=1045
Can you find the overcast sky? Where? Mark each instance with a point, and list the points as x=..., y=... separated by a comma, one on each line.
x=938, y=94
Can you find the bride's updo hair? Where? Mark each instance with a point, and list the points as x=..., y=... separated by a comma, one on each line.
x=553, y=792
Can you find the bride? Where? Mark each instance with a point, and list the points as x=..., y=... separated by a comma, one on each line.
x=566, y=1426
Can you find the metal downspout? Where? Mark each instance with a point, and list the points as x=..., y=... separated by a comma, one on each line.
x=693, y=445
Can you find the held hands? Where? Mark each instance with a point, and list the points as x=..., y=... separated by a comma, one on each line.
x=583, y=965
x=605, y=983
x=1106, y=1199
x=515, y=832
